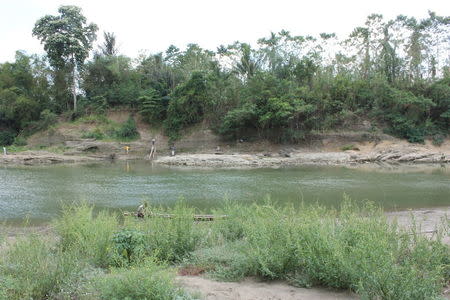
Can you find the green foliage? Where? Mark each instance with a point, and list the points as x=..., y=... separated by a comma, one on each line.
x=128, y=245
x=348, y=147
x=236, y=122
x=47, y=118
x=66, y=37
x=152, y=106
x=170, y=239
x=89, y=236
x=20, y=141
x=227, y=262
x=94, y=134
x=353, y=248
x=127, y=131
x=7, y=137
x=279, y=90
x=67, y=40
x=187, y=105
x=149, y=281
x=31, y=269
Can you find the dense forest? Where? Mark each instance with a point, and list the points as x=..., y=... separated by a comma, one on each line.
x=395, y=73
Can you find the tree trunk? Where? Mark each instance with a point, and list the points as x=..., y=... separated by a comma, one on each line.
x=74, y=88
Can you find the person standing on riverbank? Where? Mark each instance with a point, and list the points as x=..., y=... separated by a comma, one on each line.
x=152, y=149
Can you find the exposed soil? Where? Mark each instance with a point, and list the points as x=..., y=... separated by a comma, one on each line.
x=200, y=147
x=252, y=289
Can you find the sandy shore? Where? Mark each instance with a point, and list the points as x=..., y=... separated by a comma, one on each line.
x=252, y=289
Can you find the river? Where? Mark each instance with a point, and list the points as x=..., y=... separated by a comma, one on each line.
x=37, y=193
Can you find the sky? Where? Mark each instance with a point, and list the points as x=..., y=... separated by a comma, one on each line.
x=150, y=26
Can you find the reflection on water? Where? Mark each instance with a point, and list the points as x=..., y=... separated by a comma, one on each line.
x=38, y=192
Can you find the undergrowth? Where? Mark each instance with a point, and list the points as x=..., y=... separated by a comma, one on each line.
x=352, y=248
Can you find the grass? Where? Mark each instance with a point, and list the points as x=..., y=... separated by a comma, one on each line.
x=109, y=130
x=349, y=147
x=353, y=248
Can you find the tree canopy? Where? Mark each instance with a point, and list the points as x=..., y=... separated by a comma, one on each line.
x=393, y=73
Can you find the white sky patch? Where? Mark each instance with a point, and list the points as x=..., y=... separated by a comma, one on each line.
x=152, y=26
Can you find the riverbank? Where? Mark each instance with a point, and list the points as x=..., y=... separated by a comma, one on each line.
x=389, y=153
x=427, y=218
x=231, y=251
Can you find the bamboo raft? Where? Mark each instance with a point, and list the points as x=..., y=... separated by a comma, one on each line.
x=197, y=218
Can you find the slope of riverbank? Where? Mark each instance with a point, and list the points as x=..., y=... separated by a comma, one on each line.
x=65, y=142
x=88, y=151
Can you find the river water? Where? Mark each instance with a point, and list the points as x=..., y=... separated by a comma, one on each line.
x=36, y=193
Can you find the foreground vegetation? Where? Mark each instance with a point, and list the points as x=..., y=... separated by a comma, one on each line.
x=394, y=73
x=100, y=257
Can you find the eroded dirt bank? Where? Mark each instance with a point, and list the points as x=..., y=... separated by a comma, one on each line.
x=391, y=152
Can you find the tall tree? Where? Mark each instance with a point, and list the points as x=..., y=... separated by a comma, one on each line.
x=67, y=40
x=109, y=47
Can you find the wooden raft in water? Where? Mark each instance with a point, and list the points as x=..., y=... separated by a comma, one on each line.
x=170, y=216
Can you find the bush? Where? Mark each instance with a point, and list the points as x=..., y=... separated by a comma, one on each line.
x=349, y=147
x=47, y=119
x=127, y=130
x=438, y=139
x=95, y=134
x=150, y=281
x=20, y=141
x=187, y=105
x=6, y=137
x=226, y=262
x=353, y=248
x=128, y=245
x=31, y=269
x=90, y=237
x=170, y=239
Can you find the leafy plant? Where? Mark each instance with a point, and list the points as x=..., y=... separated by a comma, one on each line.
x=127, y=130
x=128, y=245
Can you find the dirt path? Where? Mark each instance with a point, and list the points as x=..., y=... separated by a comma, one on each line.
x=251, y=289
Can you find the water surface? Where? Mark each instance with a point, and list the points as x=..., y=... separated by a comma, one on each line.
x=38, y=192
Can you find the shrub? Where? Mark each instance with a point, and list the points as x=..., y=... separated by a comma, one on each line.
x=89, y=236
x=31, y=269
x=20, y=141
x=170, y=239
x=150, y=281
x=127, y=130
x=95, y=134
x=349, y=147
x=47, y=118
x=438, y=139
x=128, y=245
x=6, y=137
x=354, y=248
x=226, y=262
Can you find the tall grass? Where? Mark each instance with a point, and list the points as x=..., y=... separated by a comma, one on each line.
x=32, y=269
x=354, y=248
x=170, y=239
x=149, y=281
x=89, y=236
